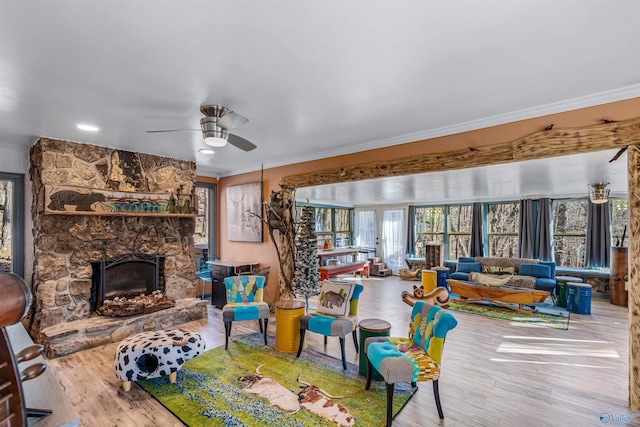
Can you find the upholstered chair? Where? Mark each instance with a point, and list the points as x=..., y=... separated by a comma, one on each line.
x=336, y=314
x=412, y=359
x=244, y=302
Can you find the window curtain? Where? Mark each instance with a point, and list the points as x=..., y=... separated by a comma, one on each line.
x=526, y=229
x=543, y=248
x=598, y=241
x=365, y=228
x=477, y=247
x=411, y=230
x=393, y=234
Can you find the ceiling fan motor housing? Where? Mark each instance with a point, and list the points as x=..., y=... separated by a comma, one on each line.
x=210, y=128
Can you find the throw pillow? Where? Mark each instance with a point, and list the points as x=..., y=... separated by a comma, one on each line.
x=335, y=298
x=494, y=269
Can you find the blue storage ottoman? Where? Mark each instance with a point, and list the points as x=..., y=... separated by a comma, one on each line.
x=579, y=298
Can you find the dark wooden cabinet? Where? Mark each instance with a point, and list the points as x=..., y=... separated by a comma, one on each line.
x=220, y=270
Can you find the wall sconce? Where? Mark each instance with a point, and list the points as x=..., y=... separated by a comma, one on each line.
x=598, y=193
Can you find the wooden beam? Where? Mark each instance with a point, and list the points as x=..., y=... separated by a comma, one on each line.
x=538, y=145
x=633, y=176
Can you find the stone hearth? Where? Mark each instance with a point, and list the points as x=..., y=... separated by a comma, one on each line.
x=66, y=245
x=67, y=338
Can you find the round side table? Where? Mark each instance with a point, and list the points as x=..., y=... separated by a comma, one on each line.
x=371, y=328
x=561, y=289
x=288, y=314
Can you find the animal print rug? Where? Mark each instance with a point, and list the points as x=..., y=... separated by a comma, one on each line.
x=209, y=391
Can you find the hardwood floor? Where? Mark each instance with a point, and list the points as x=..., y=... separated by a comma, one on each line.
x=495, y=372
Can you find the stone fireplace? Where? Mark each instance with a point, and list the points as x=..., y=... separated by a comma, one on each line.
x=68, y=248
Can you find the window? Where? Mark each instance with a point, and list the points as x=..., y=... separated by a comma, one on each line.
x=343, y=227
x=569, y=232
x=203, y=238
x=459, y=224
x=333, y=225
x=619, y=221
x=503, y=220
x=430, y=227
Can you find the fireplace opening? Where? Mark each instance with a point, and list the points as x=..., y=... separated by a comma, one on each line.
x=127, y=276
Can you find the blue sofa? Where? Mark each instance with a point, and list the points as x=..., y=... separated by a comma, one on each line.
x=543, y=272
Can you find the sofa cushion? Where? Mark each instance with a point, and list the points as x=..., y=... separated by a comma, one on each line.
x=468, y=267
x=535, y=270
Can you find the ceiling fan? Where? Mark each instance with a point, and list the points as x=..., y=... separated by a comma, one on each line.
x=215, y=127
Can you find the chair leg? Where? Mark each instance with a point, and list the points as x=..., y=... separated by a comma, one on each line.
x=437, y=396
x=344, y=357
x=325, y=340
x=302, y=331
x=261, y=328
x=390, y=388
x=369, y=374
x=266, y=321
x=227, y=332
x=355, y=341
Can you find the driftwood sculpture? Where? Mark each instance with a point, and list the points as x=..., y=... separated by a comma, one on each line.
x=439, y=296
x=406, y=274
x=282, y=233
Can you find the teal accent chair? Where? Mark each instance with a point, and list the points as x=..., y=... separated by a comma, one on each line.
x=327, y=325
x=412, y=359
x=245, y=302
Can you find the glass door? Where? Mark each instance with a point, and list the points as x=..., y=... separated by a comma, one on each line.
x=385, y=229
x=12, y=223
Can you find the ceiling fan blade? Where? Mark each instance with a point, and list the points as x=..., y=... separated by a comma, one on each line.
x=172, y=130
x=231, y=120
x=241, y=143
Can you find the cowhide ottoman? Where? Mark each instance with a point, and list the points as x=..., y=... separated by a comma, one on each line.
x=155, y=354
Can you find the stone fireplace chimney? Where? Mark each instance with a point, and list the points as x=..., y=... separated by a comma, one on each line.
x=65, y=245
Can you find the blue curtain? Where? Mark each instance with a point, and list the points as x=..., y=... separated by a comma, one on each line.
x=477, y=247
x=543, y=248
x=598, y=244
x=526, y=229
x=411, y=230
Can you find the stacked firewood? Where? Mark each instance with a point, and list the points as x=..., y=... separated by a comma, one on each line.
x=120, y=306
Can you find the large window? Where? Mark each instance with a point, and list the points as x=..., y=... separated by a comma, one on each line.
x=619, y=221
x=333, y=226
x=503, y=220
x=569, y=232
x=430, y=227
x=459, y=221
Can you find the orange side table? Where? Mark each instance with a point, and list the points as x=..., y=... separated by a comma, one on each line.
x=288, y=314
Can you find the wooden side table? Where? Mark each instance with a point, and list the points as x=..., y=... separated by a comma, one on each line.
x=288, y=314
x=371, y=328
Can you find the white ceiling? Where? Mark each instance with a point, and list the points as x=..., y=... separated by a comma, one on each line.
x=316, y=78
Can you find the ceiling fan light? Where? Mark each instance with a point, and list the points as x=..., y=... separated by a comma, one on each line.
x=598, y=193
x=215, y=141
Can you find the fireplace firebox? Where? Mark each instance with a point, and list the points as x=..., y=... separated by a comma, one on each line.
x=127, y=276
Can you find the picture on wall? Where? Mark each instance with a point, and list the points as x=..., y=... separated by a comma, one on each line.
x=61, y=199
x=244, y=212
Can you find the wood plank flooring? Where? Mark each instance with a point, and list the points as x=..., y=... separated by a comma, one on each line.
x=495, y=372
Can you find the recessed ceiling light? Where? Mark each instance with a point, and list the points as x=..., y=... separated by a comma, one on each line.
x=88, y=128
x=206, y=151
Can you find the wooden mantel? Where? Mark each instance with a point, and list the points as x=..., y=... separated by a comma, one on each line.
x=538, y=145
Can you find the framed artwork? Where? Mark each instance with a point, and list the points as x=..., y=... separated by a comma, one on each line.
x=244, y=212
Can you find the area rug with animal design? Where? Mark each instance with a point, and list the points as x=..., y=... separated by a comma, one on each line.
x=255, y=385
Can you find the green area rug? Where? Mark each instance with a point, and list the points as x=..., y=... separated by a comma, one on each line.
x=544, y=314
x=208, y=392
